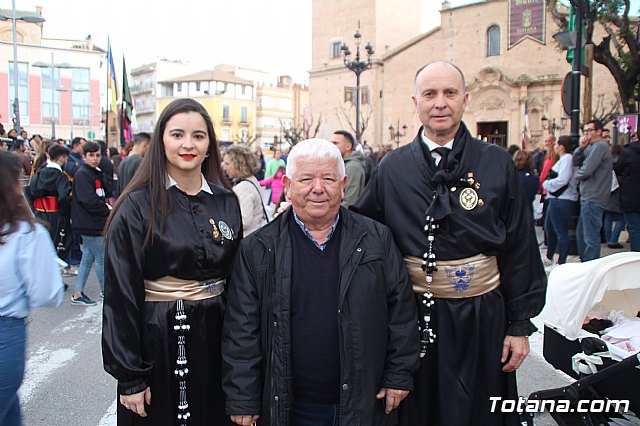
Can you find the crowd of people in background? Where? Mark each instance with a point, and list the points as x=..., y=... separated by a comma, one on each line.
x=585, y=189
x=162, y=219
x=578, y=193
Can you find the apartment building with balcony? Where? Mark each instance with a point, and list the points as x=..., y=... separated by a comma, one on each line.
x=145, y=87
x=230, y=101
x=246, y=104
x=274, y=110
x=279, y=108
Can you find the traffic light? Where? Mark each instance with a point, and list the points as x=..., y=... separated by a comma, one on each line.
x=571, y=27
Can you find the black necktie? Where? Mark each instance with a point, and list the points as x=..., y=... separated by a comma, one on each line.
x=443, y=157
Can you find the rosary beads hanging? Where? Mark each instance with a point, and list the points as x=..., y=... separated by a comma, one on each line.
x=427, y=335
x=181, y=327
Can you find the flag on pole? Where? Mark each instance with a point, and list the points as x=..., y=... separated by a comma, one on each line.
x=126, y=93
x=126, y=108
x=525, y=130
x=113, y=85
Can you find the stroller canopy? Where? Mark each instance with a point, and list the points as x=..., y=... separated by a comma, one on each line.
x=574, y=289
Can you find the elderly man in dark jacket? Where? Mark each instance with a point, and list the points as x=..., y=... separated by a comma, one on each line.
x=627, y=169
x=321, y=323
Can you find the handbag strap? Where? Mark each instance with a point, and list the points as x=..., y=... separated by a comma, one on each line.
x=264, y=211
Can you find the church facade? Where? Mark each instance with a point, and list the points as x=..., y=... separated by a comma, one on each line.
x=511, y=85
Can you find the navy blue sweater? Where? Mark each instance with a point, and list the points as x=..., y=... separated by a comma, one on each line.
x=314, y=318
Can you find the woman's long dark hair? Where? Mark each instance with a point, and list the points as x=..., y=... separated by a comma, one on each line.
x=13, y=206
x=152, y=173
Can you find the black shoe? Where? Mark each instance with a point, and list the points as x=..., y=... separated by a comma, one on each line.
x=82, y=300
x=615, y=246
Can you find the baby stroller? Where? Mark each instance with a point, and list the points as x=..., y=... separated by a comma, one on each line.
x=603, y=371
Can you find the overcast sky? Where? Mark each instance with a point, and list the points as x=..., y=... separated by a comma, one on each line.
x=273, y=35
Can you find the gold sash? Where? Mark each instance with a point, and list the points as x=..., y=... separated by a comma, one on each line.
x=170, y=289
x=470, y=277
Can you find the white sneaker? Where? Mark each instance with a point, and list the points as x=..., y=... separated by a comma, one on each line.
x=69, y=272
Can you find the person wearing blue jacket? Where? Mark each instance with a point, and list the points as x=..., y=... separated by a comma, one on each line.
x=29, y=277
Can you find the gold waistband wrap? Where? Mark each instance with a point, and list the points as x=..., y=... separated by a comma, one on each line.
x=170, y=289
x=470, y=277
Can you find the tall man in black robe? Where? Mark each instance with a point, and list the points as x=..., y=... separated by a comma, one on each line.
x=466, y=232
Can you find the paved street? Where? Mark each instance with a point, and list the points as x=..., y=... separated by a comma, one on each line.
x=66, y=385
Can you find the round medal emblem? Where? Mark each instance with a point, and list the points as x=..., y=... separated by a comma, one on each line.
x=225, y=230
x=468, y=198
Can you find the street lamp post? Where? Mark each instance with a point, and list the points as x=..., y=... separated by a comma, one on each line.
x=358, y=67
x=52, y=66
x=71, y=90
x=553, y=126
x=395, y=132
x=27, y=17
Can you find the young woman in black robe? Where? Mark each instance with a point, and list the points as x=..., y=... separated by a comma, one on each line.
x=170, y=241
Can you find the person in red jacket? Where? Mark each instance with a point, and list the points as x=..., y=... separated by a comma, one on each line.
x=549, y=161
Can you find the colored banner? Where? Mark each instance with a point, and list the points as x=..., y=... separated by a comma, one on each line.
x=112, y=84
x=526, y=20
x=627, y=123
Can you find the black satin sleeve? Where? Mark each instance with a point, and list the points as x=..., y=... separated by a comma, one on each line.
x=122, y=315
x=198, y=241
x=522, y=277
x=401, y=192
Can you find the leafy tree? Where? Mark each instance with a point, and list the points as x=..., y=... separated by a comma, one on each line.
x=618, y=51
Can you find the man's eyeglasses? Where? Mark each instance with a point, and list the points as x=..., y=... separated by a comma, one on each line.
x=589, y=130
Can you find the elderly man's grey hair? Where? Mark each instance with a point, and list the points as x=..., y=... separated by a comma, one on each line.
x=314, y=149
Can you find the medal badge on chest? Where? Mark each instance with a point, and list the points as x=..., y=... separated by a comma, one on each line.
x=215, y=233
x=227, y=232
x=468, y=197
